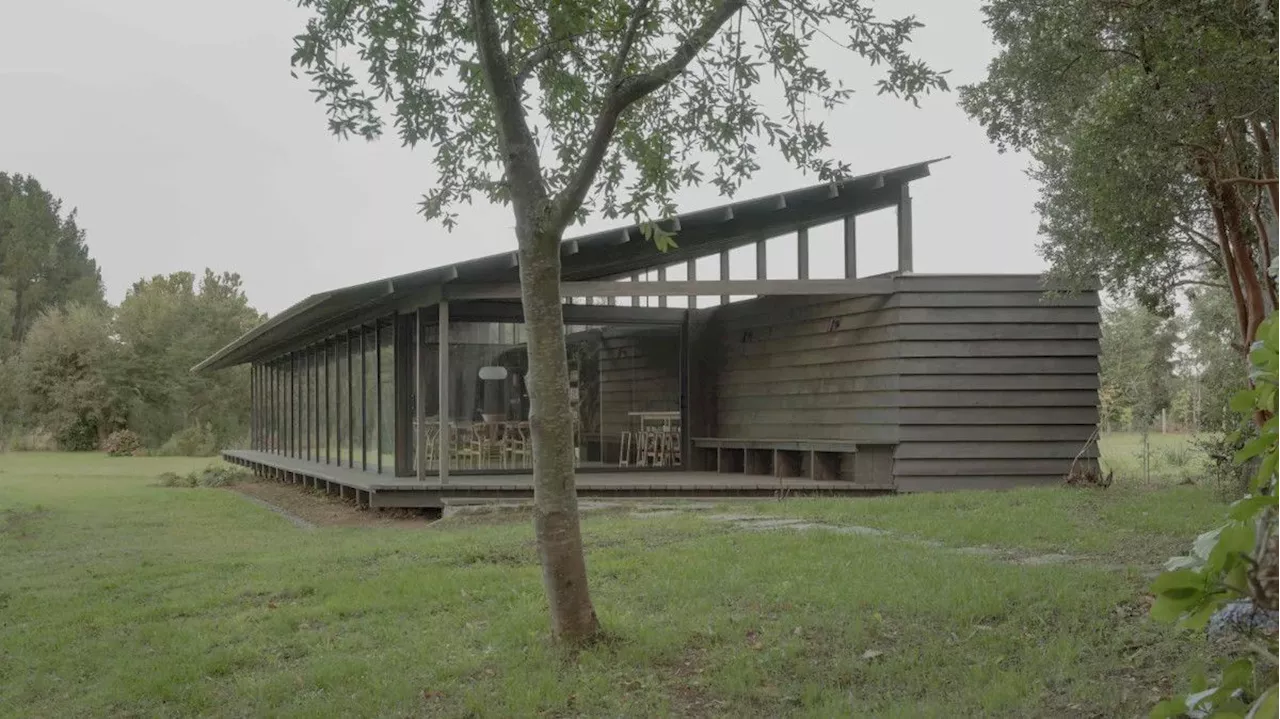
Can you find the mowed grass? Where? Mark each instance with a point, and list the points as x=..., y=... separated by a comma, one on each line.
x=120, y=598
x=1169, y=458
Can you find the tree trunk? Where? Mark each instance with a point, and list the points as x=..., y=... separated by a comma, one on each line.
x=556, y=523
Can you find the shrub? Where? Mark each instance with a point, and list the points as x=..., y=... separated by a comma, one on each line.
x=222, y=476
x=79, y=436
x=122, y=443
x=30, y=440
x=173, y=479
x=194, y=441
x=1230, y=478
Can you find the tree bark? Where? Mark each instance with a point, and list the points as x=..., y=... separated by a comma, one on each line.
x=556, y=521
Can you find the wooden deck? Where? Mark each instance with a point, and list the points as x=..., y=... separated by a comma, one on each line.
x=382, y=490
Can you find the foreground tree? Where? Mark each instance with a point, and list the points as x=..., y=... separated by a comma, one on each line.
x=1152, y=126
x=562, y=109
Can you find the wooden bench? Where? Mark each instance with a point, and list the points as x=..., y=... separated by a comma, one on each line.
x=818, y=459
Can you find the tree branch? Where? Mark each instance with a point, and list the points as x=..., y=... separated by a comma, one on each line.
x=626, y=93
x=628, y=39
x=542, y=53
x=520, y=155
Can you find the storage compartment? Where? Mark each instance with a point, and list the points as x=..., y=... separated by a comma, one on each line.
x=759, y=461
x=789, y=463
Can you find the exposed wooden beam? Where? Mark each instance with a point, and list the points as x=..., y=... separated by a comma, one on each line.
x=762, y=260
x=868, y=286
x=569, y=247
x=905, y=260
x=691, y=272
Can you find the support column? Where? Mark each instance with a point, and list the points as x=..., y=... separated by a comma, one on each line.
x=253, y=406
x=662, y=277
x=724, y=273
x=442, y=336
x=904, y=230
x=851, y=247
x=802, y=253
x=762, y=261
x=691, y=273
x=419, y=394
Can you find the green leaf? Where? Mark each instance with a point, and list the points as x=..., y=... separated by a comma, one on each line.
x=1237, y=675
x=1180, y=579
x=1235, y=538
x=1170, y=609
x=1265, y=707
x=1242, y=401
x=1169, y=708
x=1253, y=448
x=1242, y=510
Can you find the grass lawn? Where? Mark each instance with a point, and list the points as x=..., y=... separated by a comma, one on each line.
x=120, y=598
x=1170, y=458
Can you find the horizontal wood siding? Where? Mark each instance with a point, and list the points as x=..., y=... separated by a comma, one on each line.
x=807, y=368
x=1015, y=401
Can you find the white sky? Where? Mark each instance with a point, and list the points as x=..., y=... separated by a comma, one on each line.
x=175, y=128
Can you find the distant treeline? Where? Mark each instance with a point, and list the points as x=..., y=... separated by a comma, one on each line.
x=73, y=368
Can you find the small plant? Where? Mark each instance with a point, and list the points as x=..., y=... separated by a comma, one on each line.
x=38, y=439
x=1234, y=565
x=122, y=443
x=173, y=479
x=222, y=476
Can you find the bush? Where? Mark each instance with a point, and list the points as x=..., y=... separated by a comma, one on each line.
x=222, y=476
x=122, y=443
x=1230, y=479
x=30, y=440
x=212, y=476
x=194, y=441
x=173, y=479
x=80, y=436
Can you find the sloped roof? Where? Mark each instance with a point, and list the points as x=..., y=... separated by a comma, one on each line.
x=598, y=255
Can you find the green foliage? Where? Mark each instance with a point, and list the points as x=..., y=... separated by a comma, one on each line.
x=1211, y=358
x=1121, y=105
x=122, y=443
x=1136, y=365
x=194, y=441
x=44, y=263
x=21, y=439
x=165, y=326
x=68, y=377
x=215, y=475
x=578, y=66
x=1231, y=562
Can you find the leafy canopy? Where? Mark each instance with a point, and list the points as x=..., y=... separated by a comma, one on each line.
x=758, y=81
x=1120, y=104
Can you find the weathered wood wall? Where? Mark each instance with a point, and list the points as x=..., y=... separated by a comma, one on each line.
x=976, y=381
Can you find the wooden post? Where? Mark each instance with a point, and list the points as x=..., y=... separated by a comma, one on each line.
x=762, y=261
x=802, y=253
x=724, y=273
x=905, y=263
x=419, y=395
x=253, y=406
x=662, y=277
x=442, y=337
x=364, y=401
x=851, y=247
x=691, y=273
x=377, y=385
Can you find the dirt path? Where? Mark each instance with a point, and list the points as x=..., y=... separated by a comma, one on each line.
x=308, y=509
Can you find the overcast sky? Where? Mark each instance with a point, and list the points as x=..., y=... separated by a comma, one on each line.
x=175, y=128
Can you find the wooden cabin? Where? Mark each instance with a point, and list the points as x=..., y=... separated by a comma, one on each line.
x=409, y=391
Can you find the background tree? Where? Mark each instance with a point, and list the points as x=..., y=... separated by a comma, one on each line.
x=1137, y=356
x=165, y=326
x=566, y=108
x=1152, y=127
x=44, y=262
x=1209, y=360
x=68, y=376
